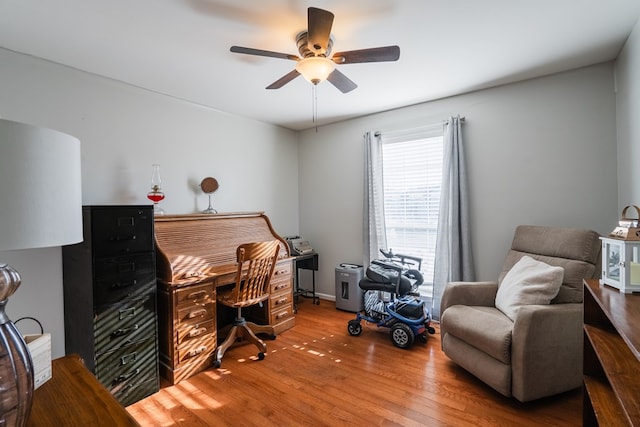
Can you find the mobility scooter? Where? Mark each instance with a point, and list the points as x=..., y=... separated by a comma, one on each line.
x=391, y=300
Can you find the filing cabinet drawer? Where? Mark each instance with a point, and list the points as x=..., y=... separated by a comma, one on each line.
x=126, y=365
x=122, y=231
x=131, y=392
x=123, y=324
x=122, y=277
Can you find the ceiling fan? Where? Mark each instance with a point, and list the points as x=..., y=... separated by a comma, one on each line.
x=315, y=62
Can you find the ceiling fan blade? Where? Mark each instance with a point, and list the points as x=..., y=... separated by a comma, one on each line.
x=342, y=82
x=284, y=80
x=260, y=52
x=319, y=24
x=374, y=54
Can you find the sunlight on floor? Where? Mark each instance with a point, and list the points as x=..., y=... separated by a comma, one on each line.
x=161, y=408
x=305, y=346
x=190, y=396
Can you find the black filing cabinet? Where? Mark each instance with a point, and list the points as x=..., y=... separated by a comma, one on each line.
x=110, y=299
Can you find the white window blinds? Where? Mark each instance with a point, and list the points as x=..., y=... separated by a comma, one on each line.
x=412, y=172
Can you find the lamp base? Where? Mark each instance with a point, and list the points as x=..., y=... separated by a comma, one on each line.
x=16, y=366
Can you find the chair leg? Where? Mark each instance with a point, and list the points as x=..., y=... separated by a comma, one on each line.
x=252, y=338
x=244, y=330
x=224, y=332
x=228, y=342
x=262, y=329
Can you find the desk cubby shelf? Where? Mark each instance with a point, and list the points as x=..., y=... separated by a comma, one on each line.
x=611, y=357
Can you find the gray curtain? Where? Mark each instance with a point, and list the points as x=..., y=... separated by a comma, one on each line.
x=374, y=231
x=453, y=260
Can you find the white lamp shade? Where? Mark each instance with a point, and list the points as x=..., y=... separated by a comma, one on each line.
x=40, y=187
x=315, y=69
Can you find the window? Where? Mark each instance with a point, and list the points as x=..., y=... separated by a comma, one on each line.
x=412, y=173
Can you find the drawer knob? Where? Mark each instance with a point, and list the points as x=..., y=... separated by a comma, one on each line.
x=197, y=331
x=198, y=351
x=131, y=357
x=126, y=313
x=124, y=331
x=124, y=238
x=197, y=313
x=125, y=377
x=197, y=295
x=120, y=285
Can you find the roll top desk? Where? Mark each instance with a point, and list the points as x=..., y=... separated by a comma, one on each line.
x=195, y=255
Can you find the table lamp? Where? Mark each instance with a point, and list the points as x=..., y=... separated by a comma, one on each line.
x=40, y=206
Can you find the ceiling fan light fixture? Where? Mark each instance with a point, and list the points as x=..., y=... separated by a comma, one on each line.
x=315, y=69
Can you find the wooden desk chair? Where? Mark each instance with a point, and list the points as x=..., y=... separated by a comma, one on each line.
x=256, y=262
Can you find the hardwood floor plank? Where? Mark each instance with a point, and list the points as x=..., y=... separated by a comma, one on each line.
x=316, y=374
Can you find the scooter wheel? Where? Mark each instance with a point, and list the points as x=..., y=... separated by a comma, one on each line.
x=401, y=335
x=354, y=327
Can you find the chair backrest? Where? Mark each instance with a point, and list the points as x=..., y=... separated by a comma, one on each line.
x=256, y=262
x=576, y=250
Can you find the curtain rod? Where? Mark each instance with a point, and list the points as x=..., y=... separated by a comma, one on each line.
x=418, y=128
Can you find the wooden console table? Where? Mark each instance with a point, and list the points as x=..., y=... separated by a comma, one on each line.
x=611, y=357
x=74, y=397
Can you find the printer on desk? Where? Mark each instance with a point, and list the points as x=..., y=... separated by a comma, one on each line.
x=299, y=246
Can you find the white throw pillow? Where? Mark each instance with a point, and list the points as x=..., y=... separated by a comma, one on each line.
x=528, y=282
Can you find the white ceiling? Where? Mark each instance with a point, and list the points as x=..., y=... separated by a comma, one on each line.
x=181, y=47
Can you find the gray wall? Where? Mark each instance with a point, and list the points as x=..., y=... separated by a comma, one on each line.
x=123, y=130
x=542, y=151
x=628, y=120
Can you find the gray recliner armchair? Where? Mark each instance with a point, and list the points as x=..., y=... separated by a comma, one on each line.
x=539, y=352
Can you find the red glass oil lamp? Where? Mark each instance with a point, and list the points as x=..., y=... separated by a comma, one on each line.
x=156, y=195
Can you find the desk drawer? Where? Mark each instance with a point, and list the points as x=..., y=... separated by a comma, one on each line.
x=196, y=348
x=196, y=294
x=281, y=284
x=280, y=300
x=195, y=331
x=281, y=314
x=124, y=324
x=196, y=313
x=279, y=309
x=282, y=269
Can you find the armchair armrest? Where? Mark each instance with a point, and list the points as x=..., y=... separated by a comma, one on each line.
x=546, y=353
x=468, y=293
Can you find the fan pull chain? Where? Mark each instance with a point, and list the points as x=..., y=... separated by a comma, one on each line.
x=314, y=106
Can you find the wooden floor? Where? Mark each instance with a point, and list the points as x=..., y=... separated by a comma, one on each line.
x=316, y=374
